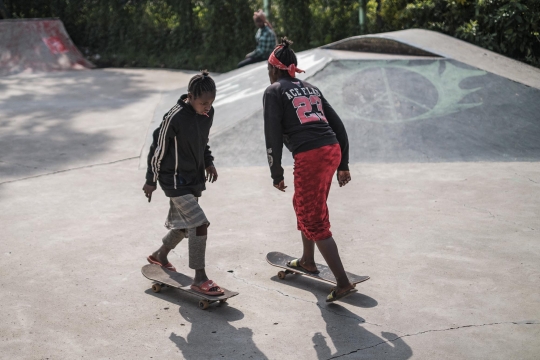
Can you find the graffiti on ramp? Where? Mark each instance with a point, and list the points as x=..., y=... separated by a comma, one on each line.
x=37, y=45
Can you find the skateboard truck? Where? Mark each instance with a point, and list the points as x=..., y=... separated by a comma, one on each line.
x=281, y=274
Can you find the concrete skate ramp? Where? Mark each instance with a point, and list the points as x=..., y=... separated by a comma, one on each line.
x=412, y=111
x=425, y=42
x=37, y=45
x=396, y=107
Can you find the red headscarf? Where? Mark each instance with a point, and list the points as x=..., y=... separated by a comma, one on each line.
x=274, y=61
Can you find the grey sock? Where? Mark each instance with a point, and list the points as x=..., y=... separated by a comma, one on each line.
x=173, y=238
x=197, y=250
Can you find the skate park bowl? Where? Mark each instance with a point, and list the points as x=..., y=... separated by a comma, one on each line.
x=399, y=102
x=37, y=45
x=451, y=247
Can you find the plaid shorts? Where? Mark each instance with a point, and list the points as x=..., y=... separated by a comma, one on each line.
x=185, y=213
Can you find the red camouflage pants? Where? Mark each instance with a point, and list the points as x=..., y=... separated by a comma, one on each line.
x=313, y=173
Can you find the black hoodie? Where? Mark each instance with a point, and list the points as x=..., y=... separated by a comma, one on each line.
x=180, y=153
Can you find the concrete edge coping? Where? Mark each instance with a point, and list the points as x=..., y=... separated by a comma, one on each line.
x=421, y=42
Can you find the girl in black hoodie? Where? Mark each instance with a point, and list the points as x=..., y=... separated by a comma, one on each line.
x=181, y=161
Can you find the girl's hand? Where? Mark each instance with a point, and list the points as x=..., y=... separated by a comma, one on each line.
x=281, y=186
x=343, y=177
x=211, y=174
x=148, y=190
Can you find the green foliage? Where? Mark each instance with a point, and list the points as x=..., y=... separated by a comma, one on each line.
x=509, y=27
x=312, y=23
x=186, y=34
x=228, y=33
x=293, y=19
x=216, y=34
x=371, y=8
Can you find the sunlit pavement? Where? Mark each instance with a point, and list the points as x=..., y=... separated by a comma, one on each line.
x=451, y=246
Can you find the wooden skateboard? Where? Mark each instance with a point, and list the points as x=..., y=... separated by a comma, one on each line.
x=280, y=260
x=163, y=277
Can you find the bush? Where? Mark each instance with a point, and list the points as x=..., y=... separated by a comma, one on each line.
x=213, y=34
x=216, y=34
x=509, y=27
x=312, y=23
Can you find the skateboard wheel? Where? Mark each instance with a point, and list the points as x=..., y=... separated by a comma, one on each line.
x=203, y=304
x=156, y=288
x=281, y=275
x=223, y=301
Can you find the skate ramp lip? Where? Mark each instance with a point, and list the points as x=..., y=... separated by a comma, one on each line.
x=421, y=42
x=37, y=45
x=397, y=108
x=378, y=44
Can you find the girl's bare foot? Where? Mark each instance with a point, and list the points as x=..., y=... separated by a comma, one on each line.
x=200, y=277
x=339, y=293
x=161, y=255
x=342, y=289
x=308, y=265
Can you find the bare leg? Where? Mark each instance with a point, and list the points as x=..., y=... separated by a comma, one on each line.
x=197, y=250
x=161, y=254
x=308, y=257
x=329, y=251
x=170, y=241
x=200, y=277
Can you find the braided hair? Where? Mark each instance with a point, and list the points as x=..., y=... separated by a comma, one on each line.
x=260, y=15
x=201, y=83
x=285, y=54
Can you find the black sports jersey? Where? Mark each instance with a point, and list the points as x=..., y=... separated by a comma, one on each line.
x=297, y=114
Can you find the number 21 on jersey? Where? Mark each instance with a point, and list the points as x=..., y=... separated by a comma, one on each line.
x=304, y=108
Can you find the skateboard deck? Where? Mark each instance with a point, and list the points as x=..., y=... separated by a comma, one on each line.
x=280, y=260
x=163, y=277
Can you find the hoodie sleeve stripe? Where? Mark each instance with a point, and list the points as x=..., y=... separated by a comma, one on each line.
x=160, y=146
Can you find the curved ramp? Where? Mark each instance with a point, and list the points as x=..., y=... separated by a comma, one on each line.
x=397, y=108
x=37, y=45
x=411, y=110
x=426, y=42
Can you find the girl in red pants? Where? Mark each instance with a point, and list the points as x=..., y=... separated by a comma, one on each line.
x=297, y=114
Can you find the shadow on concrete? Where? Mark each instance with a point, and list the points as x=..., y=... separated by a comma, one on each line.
x=350, y=338
x=344, y=328
x=211, y=336
x=321, y=290
x=56, y=121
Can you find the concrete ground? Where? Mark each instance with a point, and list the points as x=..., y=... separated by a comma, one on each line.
x=452, y=248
